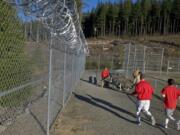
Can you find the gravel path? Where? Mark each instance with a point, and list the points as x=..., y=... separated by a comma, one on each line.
x=96, y=111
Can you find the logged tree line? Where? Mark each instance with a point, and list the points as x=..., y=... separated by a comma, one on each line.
x=143, y=17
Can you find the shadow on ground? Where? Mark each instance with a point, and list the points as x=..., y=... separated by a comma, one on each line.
x=107, y=106
x=90, y=99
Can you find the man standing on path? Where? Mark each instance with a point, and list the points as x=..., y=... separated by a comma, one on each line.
x=170, y=94
x=143, y=92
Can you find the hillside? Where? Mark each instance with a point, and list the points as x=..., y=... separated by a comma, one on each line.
x=171, y=43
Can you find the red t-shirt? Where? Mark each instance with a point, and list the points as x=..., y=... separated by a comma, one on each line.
x=105, y=74
x=143, y=90
x=171, y=95
x=178, y=92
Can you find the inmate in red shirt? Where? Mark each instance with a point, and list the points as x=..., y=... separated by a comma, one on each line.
x=171, y=95
x=143, y=90
x=105, y=73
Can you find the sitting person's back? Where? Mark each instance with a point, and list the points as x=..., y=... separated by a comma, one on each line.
x=104, y=74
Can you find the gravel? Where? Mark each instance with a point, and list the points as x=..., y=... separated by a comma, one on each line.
x=99, y=111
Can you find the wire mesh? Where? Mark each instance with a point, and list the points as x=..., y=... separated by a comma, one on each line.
x=61, y=18
x=173, y=66
x=147, y=59
x=127, y=57
x=42, y=56
x=158, y=85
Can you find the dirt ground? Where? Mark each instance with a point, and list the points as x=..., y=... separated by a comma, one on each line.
x=97, y=111
x=31, y=122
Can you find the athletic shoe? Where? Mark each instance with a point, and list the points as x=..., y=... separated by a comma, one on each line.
x=166, y=126
x=139, y=123
x=153, y=121
x=178, y=125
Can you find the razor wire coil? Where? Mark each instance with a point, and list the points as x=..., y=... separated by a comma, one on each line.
x=61, y=18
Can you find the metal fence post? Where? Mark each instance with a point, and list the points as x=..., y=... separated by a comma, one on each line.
x=127, y=66
x=162, y=57
x=134, y=57
x=155, y=84
x=112, y=63
x=178, y=66
x=144, y=60
x=99, y=66
x=167, y=68
x=72, y=70
x=50, y=83
x=64, y=89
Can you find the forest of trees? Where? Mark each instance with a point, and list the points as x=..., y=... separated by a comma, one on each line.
x=144, y=17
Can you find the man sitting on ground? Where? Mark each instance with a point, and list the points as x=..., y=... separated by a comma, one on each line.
x=104, y=75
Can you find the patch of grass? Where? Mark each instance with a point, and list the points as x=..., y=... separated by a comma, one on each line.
x=16, y=99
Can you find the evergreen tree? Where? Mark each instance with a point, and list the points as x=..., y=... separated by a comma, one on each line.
x=127, y=7
x=139, y=18
x=176, y=15
x=101, y=19
x=13, y=63
x=111, y=16
x=135, y=18
x=166, y=11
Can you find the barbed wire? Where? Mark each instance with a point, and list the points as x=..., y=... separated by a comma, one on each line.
x=60, y=17
x=38, y=71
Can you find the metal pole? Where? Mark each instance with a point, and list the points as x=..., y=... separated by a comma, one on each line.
x=144, y=60
x=162, y=57
x=64, y=90
x=50, y=83
x=127, y=67
x=99, y=66
x=155, y=84
x=84, y=63
x=178, y=66
x=112, y=63
x=72, y=74
x=167, y=68
x=134, y=57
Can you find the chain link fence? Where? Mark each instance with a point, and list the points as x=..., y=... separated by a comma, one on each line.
x=173, y=66
x=127, y=57
x=99, y=61
x=158, y=85
x=66, y=68
x=153, y=61
x=42, y=57
x=148, y=59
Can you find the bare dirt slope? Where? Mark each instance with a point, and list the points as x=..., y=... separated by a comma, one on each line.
x=96, y=111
